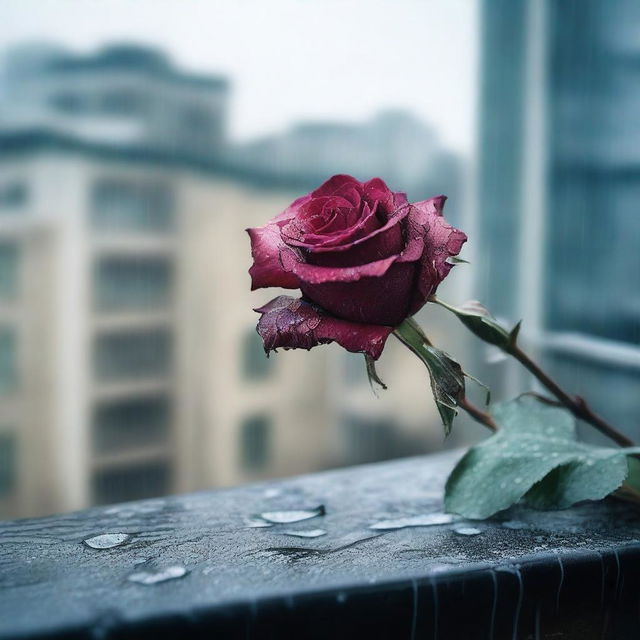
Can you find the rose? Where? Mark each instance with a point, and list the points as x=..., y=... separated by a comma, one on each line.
x=364, y=258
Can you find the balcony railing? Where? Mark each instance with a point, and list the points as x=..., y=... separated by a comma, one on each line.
x=211, y=565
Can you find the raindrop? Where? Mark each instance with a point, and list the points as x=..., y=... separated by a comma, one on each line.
x=161, y=575
x=305, y=533
x=467, y=531
x=294, y=515
x=107, y=540
x=425, y=520
x=341, y=598
x=515, y=524
x=257, y=523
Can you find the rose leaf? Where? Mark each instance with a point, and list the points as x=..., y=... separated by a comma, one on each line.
x=534, y=456
x=446, y=375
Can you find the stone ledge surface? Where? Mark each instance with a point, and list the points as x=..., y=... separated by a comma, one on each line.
x=526, y=574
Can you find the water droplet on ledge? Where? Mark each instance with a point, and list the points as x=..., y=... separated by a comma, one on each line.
x=292, y=515
x=155, y=576
x=515, y=524
x=257, y=523
x=424, y=520
x=107, y=540
x=305, y=533
x=467, y=531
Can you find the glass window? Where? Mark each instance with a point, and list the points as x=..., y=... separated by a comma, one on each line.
x=8, y=469
x=255, y=364
x=13, y=195
x=133, y=483
x=130, y=354
x=68, y=102
x=123, y=102
x=9, y=259
x=255, y=434
x=123, y=205
x=132, y=283
x=130, y=424
x=8, y=360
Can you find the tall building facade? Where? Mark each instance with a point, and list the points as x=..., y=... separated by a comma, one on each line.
x=559, y=182
x=129, y=362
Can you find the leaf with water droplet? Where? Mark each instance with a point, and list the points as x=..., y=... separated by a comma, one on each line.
x=481, y=323
x=107, y=540
x=445, y=374
x=534, y=455
x=292, y=515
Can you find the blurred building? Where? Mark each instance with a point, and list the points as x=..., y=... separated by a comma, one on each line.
x=559, y=186
x=129, y=362
x=394, y=144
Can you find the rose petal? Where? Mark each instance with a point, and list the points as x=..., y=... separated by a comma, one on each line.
x=382, y=300
x=292, y=323
x=267, y=249
x=316, y=274
x=335, y=184
x=431, y=240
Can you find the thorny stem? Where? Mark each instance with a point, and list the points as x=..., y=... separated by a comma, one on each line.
x=577, y=405
x=477, y=414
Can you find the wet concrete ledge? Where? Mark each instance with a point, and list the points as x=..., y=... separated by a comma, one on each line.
x=199, y=566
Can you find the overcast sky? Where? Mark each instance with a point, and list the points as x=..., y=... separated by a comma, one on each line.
x=291, y=59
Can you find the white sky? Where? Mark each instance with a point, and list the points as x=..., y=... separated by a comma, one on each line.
x=291, y=59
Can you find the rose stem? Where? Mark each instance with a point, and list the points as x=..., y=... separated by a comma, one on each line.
x=477, y=414
x=577, y=405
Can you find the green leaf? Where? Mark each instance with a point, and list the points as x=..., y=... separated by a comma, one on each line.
x=446, y=375
x=481, y=323
x=535, y=456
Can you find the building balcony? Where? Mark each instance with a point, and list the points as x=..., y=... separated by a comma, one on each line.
x=197, y=566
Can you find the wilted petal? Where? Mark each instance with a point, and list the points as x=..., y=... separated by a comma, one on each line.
x=292, y=323
x=267, y=249
x=431, y=240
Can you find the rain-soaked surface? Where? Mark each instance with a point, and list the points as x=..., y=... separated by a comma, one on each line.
x=196, y=559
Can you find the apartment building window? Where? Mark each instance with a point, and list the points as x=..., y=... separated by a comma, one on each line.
x=9, y=264
x=131, y=483
x=255, y=364
x=8, y=467
x=132, y=354
x=69, y=102
x=123, y=102
x=120, y=205
x=132, y=283
x=8, y=360
x=131, y=424
x=13, y=196
x=255, y=442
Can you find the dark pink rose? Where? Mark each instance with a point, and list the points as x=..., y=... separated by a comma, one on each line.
x=363, y=257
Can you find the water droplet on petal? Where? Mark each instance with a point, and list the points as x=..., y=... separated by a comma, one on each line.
x=293, y=515
x=161, y=575
x=107, y=540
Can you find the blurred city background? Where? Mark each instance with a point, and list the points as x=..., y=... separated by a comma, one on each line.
x=139, y=139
